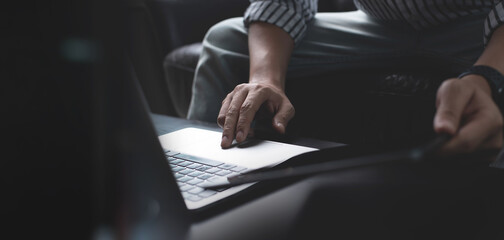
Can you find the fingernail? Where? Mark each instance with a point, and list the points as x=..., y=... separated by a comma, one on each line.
x=280, y=126
x=239, y=136
x=224, y=140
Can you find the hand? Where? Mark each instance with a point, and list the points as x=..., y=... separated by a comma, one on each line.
x=241, y=105
x=466, y=111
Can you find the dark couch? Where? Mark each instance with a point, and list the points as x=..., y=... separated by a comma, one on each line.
x=394, y=106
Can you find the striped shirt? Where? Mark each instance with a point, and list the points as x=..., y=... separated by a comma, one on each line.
x=293, y=15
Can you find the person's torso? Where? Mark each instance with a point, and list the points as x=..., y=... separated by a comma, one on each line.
x=423, y=13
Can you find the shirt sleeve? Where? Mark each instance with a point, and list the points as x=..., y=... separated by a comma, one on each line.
x=494, y=20
x=290, y=15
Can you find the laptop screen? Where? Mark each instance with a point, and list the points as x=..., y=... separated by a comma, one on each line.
x=140, y=197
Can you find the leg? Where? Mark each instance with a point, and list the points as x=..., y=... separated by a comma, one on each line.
x=223, y=64
x=459, y=43
x=355, y=117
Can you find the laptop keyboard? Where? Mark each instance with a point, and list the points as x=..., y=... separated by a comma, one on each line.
x=191, y=172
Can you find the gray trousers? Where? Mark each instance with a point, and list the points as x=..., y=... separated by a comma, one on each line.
x=333, y=42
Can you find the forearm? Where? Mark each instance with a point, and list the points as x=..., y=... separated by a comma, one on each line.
x=270, y=49
x=493, y=55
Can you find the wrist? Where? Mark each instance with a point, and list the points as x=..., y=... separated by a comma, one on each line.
x=478, y=82
x=277, y=82
x=494, y=79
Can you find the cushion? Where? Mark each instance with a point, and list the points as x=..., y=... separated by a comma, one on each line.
x=179, y=68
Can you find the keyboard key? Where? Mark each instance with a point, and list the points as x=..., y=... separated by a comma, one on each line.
x=186, y=171
x=184, y=163
x=194, y=181
x=200, y=160
x=207, y=193
x=196, y=190
x=205, y=176
x=193, y=198
x=177, y=168
x=216, y=179
x=194, y=165
x=186, y=187
x=186, y=195
x=172, y=153
x=212, y=170
x=227, y=166
x=195, y=174
x=203, y=168
x=174, y=160
x=185, y=179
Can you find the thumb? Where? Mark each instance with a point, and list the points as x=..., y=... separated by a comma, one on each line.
x=282, y=118
x=451, y=102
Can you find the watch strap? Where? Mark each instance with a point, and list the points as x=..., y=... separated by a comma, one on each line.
x=494, y=78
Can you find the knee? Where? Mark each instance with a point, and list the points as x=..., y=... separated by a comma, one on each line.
x=229, y=34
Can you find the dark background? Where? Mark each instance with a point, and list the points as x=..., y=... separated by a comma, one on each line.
x=53, y=53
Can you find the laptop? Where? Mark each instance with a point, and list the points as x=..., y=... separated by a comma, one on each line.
x=196, y=158
x=173, y=166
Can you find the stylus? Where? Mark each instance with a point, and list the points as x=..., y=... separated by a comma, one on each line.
x=412, y=155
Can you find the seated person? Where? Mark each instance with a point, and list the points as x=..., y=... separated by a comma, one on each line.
x=244, y=63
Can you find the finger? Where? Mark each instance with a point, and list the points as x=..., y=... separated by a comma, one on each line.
x=248, y=111
x=480, y=132
x=231, y=117
x=451, y=102
x=285, y=113
x=221, y=118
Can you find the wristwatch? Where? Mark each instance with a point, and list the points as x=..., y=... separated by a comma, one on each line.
x=494, y=78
